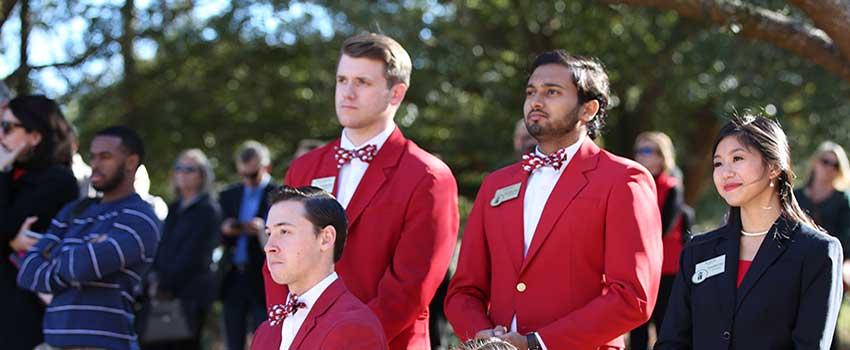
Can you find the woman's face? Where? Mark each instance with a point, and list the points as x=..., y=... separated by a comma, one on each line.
x=825, y=167
x=13, y=136
x=187, y=175
x=648, y=154
x=741, y=175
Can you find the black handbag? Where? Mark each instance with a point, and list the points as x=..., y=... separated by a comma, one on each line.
x=164, y=321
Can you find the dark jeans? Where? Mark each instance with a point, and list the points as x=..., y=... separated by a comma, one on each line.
x=639, y=337
x=243, y=310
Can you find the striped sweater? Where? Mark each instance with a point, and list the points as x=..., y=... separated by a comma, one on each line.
x=90, y=262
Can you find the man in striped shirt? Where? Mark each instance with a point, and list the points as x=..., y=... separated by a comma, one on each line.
x=95, y=253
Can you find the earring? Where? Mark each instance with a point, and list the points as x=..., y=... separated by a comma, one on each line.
x=771, y=184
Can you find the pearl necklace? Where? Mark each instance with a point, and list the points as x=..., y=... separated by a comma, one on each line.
x=754, y=234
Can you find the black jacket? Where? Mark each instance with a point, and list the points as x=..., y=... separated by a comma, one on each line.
x=231, y=200
x=189, y=235
x=789, y=298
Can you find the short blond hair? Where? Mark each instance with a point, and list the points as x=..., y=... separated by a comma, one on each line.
x=397, y=64
x=665, y=147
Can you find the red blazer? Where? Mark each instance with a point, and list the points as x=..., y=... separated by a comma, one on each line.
x=672, y=239
x=593, y=267
x=338, y=320
x=403, y=223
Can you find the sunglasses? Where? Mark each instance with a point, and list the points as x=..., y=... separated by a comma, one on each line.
x=8, y=126
x=829, y=163
x=646, y=151
x=185, y=169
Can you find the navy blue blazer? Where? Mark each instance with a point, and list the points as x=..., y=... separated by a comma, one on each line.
x=789, y=298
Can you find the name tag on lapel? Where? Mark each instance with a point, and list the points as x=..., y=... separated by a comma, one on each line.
x=708, y=268
x=505, y=194
x=325, y=183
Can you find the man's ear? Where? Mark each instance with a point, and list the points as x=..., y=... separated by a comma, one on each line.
x=588, y=111
x=397, y=93
x=133, y=163
x=327, y=238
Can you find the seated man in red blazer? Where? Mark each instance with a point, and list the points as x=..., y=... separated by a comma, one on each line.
x=306, y=230
x=561, y=250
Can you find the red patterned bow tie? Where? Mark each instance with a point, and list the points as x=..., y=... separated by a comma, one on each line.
x=365, y=154
x=532, y=161
x=279, y=312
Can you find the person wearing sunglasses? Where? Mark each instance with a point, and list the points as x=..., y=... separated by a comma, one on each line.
x=654, y=150
x=191, y=231
x=36, y=181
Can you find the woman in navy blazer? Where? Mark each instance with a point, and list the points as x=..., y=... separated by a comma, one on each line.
x=768, y=279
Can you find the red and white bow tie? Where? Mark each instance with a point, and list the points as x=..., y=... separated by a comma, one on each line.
x=532, y=161
x=365, y=154
x=279, y=312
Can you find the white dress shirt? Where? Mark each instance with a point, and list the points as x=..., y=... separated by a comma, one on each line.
x=352, y=172
x=540, y=184
x=292, y=324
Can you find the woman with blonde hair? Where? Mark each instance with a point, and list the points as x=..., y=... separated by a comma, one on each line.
x=825, y=196
x=654, y=150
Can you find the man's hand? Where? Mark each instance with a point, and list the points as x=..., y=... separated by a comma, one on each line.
x=22, y=242
x=229, y=227
x=490, y=333
x=516, y=339
x=255, y=226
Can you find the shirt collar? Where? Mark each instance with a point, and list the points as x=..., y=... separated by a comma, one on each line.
x=263, y=183
x=377, y=140
x=312, y=295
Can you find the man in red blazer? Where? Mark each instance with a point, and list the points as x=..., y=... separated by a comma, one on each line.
x=561, y=250
x=401, y=201
x=307, y=231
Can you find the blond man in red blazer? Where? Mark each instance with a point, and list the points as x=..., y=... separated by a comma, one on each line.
x=306, y=231
x=401, y=201
x=561, y=250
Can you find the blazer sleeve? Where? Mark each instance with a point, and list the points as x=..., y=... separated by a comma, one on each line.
x=43, y=201
x=469, y=290
x=677, y=329
x=822, y=289
x=632, y=270
x=422, y=254
x=203, y=236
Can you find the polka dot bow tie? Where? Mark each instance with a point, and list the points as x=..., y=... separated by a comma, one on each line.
x=279, y=312
x=532, y=161
x=365, y=154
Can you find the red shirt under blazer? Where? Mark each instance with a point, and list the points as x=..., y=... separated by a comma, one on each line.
x=593, y=266
x=338, y=321
x=403, y=223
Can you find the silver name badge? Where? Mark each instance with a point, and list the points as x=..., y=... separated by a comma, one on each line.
x=505, y=194
x=325, y=183
x=709, y=268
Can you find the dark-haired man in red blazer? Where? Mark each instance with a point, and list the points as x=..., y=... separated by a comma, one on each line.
x=401, y=201
x=562, y=250
x=307, y=231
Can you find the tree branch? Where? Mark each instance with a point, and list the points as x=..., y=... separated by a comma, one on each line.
x=833, y=17
x=758, y=23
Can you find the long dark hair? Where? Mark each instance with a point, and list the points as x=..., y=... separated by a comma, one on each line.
x=766, y=136
x=40, y=114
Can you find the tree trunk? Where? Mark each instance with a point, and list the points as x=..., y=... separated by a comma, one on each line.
x=128, y=55
x=22, y=85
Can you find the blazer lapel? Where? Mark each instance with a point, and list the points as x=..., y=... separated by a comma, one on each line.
x=325, y=301
x=572, y=180
x=726, y=281
x=771, y=249
x=512, y=220
x=376, y=174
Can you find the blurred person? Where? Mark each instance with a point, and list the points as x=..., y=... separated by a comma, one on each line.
x=191, y=231
x=244, y=206
x=523, y=141
x=82, y=171
x=143, y=188
x=307, y=145
x=94, y=253
x=563, y=249
x=401, y=200
x=307, y=230
x=825, y=198
x=768, y=278
x=654, y=150
x=34, y=146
